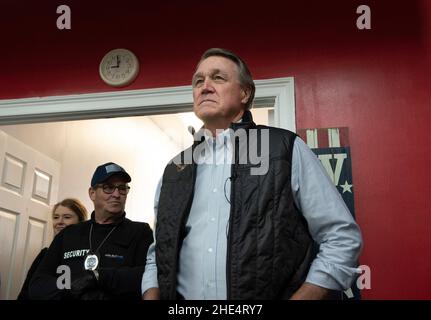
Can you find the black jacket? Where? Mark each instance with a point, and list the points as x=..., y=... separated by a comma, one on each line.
x=121, y=259
x=269, y=246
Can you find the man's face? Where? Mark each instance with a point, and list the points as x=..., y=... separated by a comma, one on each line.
x=106, y=203
x=217, y=93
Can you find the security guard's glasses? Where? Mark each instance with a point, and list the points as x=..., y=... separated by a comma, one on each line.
x=123, y=189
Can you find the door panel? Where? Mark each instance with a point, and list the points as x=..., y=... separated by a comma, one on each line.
x=28, y=188
x=35, y=240
x=8, y=229
x=13, y=174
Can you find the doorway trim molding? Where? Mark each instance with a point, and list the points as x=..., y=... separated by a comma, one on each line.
x=277, y=92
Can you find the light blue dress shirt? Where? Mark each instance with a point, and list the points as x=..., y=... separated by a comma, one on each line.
x=202, y=264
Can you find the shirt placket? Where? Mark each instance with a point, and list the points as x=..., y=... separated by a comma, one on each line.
x=210, y=252
x=222, y=218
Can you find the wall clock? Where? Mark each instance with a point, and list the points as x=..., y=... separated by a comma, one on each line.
x=119, y=67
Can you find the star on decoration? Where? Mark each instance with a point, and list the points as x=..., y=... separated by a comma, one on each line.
x=346, y=187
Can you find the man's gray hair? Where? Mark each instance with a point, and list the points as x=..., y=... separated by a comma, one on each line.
x=245, y=77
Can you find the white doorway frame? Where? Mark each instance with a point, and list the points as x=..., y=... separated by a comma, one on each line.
x=278, y=93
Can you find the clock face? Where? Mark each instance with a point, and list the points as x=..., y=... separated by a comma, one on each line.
x=119, y=67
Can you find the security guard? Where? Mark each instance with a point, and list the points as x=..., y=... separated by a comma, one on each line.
x=103, y=257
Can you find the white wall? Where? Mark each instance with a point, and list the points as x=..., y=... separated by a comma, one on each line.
x=37, y=136
x=135, y=143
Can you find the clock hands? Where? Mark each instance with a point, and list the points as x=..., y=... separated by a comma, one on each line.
x=118, y=63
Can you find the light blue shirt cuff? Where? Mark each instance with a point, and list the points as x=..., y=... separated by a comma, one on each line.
x=149, y=279
x=329, y=276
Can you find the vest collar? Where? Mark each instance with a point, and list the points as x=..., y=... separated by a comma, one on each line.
x=245, y=123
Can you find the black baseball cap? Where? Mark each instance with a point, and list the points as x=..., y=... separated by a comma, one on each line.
x=107, y=170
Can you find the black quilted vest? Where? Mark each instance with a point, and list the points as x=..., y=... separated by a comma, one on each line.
x=269, y=246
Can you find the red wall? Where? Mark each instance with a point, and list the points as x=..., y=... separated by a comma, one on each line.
x=375, y=82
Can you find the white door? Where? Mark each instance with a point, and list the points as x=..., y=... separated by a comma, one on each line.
x=28, y=187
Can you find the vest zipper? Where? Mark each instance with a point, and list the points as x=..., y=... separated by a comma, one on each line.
x=229, y=238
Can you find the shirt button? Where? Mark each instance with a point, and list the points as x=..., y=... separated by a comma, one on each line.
x=215, y=190
x=213, y=219
x=210, y=250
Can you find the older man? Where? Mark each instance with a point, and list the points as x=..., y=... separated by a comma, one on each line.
x=226, y=232
x=103, y=258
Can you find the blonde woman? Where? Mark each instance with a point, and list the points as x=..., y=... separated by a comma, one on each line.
x=67, y=212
